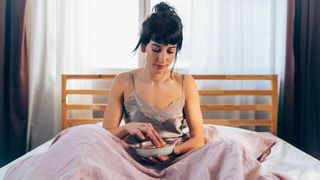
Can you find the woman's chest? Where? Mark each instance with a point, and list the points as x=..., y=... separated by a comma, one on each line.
x=157, y=97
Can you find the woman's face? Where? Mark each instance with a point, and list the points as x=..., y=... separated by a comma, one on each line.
x=158, y=56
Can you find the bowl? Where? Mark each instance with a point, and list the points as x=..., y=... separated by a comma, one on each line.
x=147, y=149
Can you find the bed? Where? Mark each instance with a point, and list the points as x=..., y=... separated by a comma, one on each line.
x=284, y=159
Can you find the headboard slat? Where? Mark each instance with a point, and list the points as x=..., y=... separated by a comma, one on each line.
x=238, y=122
x=84, y=121
x=206, y=107
x=235, y=92
x=86, y=106
x=89, y=92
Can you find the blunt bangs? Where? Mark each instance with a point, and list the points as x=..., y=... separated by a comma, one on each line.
x=162, y=28
x=166, y=32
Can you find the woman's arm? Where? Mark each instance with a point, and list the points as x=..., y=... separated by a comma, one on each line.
x=113, y=112
x=193, y=116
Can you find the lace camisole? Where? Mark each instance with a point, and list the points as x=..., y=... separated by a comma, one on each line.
x=167, y=121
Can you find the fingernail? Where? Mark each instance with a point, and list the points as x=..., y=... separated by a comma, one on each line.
x=176, y=152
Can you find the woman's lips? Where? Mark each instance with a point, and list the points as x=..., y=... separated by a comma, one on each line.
x=160, y=66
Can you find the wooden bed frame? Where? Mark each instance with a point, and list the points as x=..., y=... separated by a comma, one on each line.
x=272, y=108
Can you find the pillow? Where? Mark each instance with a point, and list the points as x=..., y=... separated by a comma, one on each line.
x=255, y=142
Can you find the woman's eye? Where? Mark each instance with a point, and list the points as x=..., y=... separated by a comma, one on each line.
x=170, y=52
x=156, y=50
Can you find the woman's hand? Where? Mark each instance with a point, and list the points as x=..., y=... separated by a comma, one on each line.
x=143, y=131
x=160, y=158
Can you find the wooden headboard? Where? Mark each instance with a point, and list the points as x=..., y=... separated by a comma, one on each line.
x=271, y=108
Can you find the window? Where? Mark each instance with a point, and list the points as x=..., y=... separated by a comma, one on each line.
x=223, y=34
x=113, y=29
x=114, y=32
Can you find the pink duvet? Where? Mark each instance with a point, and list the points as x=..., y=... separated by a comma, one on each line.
x=91, y=152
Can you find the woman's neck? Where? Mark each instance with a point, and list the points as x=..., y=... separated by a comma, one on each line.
x=154, y=78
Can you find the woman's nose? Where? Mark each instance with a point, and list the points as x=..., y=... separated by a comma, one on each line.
x=162, y=57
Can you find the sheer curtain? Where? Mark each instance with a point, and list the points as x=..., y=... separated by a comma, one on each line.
x=57, y=43
x=64, y=37
x=237, y=37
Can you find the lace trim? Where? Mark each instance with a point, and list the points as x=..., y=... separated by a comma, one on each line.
x=158, y=116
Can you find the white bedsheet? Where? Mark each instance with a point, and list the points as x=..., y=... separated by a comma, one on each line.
x=284, y=158
x=39, y=149
x=294, y=163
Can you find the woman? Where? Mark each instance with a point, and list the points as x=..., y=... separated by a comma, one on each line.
x=155, y=100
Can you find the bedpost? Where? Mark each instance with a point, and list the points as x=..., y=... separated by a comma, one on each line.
x=274, y=127
x=64, y=112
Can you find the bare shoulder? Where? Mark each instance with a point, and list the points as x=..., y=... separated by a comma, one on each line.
x=190, y=86
x=189, y=81
x=121, y=81
x=188, y=78
x=123, y=76
x=178, y=76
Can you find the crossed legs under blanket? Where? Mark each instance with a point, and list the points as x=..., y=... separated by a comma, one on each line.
x=91, y=152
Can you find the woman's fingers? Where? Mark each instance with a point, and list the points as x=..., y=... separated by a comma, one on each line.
x=176, y=151
x=140, y=135
x=143, y=132
x=153, y=159
x=163, y=157
x=152, y=134
x=159, y=158
x=153, y=138
x=158, y=137
x=146, y=130
x=156, y=134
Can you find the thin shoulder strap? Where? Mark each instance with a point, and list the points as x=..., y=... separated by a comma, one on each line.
x=182, y=83
x=132, y=81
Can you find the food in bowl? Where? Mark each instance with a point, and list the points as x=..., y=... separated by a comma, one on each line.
x=147, y=149
x=150, y=145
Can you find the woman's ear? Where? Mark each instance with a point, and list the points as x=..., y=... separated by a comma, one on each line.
x=143, y=48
